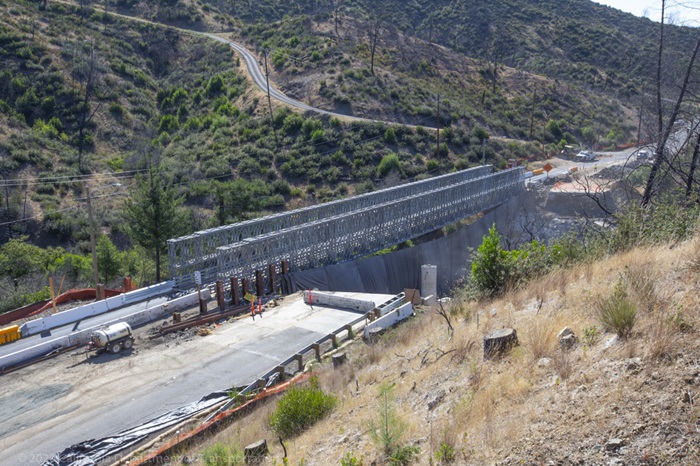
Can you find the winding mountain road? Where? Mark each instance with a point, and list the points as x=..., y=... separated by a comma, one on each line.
x=258, y=78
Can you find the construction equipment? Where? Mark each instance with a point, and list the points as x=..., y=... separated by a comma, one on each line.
x=113, y=338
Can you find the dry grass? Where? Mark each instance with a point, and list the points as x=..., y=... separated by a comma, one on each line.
x=541, y=338
x=563, y=364
x=511, y=401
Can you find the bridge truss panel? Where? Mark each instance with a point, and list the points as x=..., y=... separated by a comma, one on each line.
x=361, y=232
x=198, y=251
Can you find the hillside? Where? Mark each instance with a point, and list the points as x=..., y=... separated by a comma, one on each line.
x=606, y=401
x=93, y=94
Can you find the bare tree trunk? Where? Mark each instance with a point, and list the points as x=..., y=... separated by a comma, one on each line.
x=693, y=167
x=157, y=265
x=91, y=81
x=336, y=19
x=374, y=33
x=663, y=133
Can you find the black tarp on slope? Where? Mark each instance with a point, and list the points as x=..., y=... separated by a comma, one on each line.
x=391, y=273
x=91, y=452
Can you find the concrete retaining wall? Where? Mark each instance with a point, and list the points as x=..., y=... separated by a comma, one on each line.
x=37, y=326
x=391, y=318
x=83, y=336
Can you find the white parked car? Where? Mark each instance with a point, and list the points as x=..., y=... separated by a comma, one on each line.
x=585, y=156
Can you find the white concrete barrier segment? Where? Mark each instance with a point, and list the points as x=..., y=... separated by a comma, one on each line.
x=34, y=327
x=326, y=298
x=390, y=319
x=392, y=304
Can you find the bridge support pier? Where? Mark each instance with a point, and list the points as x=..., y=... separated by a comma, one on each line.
x=235, y=296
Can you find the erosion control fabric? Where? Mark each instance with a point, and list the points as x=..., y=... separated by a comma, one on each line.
x=391, y=273
x=92, y=452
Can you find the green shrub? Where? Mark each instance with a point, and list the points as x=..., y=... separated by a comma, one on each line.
x=351, y=460
x=390, y=136
x=617, y=312
x=389, y=162
x=403, y=455
x=215, y=86
x=491, y=265
x=300, y=408
x=590, y=335
x=446, y=453
x=220, y=454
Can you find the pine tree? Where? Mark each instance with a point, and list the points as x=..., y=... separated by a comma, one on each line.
x=109, y=259
x=154, y=215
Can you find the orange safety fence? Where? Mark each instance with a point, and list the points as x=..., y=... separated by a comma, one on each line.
x=81, y=294
x=40, y=306
x=215, y=422
x=22, y=312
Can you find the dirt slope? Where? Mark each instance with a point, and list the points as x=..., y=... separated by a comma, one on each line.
x=606, y=401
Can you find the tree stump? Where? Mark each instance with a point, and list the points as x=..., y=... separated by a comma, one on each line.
x=255, y=452
x=499, y=342
x=339, y=359
x=373, y=334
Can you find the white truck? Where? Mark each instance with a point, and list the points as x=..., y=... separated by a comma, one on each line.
x=113, y=338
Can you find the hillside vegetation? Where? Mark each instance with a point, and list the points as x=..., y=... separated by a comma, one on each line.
x=92, y=95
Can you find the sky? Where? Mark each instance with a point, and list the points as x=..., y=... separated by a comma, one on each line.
x=688, y=15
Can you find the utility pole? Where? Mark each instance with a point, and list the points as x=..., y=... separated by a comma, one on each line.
x=532, y=112
x=7, y=195
x=639, y=125
x=92, y=239
x=24, y=214
x=437, y=153
x=483, y=151
x=269, y=101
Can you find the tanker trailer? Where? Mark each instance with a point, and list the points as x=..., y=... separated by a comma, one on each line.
x=112, y=338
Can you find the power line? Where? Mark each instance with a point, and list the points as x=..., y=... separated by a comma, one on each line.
x=45, y=214
x=13, y=182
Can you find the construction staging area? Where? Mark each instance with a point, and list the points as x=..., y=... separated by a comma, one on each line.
x=84, y=398
x=65, y=401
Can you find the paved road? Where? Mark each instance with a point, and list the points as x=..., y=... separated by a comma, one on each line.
x=258, y=77
x=96, y=321
x=35, y=426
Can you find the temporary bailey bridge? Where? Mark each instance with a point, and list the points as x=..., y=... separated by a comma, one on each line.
x=340, y=230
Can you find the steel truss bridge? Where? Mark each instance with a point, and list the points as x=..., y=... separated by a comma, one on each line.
x=340, y=230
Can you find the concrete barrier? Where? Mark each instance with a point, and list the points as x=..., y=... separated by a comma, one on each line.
x=82, y=336
x=41, y=349
x=391, y=304
x=37, y=326
x=146, y=316
x=325, y=298
x=399, y=314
